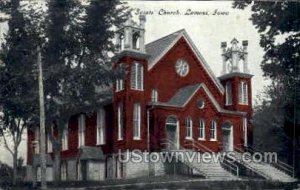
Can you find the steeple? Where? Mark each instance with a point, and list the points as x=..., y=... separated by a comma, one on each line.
x=131, y=36
x=235, y=56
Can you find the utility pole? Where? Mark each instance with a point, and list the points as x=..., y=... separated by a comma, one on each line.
x=42, y=122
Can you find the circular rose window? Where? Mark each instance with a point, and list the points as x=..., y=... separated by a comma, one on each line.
x=200, y=104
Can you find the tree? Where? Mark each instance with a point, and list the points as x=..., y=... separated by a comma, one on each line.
x=77, y=74
x=17, y=82
x=279, y=26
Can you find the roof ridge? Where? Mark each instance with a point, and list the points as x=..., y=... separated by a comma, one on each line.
x=178, y=31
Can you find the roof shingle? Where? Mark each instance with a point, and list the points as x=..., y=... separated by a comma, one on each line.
x=155, y=48
x=183, y=95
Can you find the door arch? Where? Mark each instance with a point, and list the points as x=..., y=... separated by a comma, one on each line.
x=172, y=132
x=227, y=132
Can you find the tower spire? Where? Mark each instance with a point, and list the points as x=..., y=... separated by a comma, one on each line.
x=131, y=36
x=233, y=56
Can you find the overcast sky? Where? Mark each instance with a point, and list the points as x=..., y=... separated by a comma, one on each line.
x=207, y=32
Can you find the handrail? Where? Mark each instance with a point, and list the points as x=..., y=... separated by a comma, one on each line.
x=279, y=164
x=167, y=141
x=232, y=166
x=198, y=145
x=250, y=167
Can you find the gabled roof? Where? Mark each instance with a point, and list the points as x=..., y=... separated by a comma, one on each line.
x=185, y=94
x=157, y=49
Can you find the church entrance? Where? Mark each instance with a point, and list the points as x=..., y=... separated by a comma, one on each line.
x=227, y=137
x=172, y=133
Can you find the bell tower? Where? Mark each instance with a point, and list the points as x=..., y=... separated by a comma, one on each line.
x=236, y=77
x=129, y=91
x=132, y=35
x=235, y=58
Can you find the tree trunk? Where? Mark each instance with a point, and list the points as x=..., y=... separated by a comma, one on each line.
x=15, y=166
x=56, y=165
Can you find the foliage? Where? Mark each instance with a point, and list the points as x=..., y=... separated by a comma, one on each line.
x=279, y=26
x=78, y=74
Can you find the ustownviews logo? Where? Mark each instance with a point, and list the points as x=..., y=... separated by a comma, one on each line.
x=171, y=156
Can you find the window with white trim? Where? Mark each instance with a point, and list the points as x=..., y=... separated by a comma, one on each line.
x=189, y=128
x=137, y=121
x=81, y=130
x=213, y=130
x=228, y=89
x=49, y=143
x=101, y=126
x=37, y=140
x=65, y=139
x=201, y=129
x=137, y=76
x=245, y=129
x=243, y=93
x=119, y=85
x=154, y=95
x=120, y=122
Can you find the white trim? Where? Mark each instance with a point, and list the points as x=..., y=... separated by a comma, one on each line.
x=243, y=93
x=228, y=94
x=81, y=130
x=189, y=127
x=137, y=121
x=230, y=139
x=177, y=125
x=201, y=120
x=201, y=59
x=212, y=99
x=214, y=130
x=119, y=85
x=154, y=95
x=49, y=143
x=65, y=138
x=245, y=129
x=120, y=122
x=138, y=67
x=101, y=126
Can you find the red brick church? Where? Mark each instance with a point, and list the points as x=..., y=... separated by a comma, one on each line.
x=169, y=98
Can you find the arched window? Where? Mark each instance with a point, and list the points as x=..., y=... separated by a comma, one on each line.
x=137, y=76
x=243, y=93
x=120, y=121
x=228, y=89
x=101, y=126
x=154, y=96
x=201, y=129
x=81, y=130
x=136, y=41
x=121, y=41
x=137, y=121
x=65, y=137
x=213, y=130
x=189, y=128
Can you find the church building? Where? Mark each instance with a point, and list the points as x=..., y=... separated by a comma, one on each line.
x=169, y=99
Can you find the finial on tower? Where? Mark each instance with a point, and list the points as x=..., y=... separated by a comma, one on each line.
x=142, y=19
x=233, y=56
x=131, y=36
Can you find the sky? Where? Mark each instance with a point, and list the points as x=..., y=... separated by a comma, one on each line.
x=206, y=30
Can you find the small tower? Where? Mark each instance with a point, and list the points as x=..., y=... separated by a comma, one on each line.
x=132, y=35
x=129, y=92
x=235, y=77
x=234, y=57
